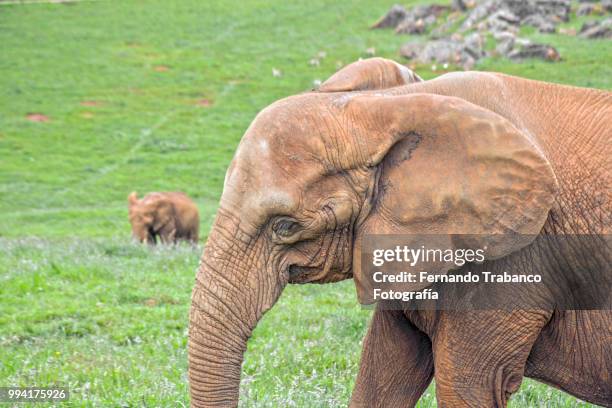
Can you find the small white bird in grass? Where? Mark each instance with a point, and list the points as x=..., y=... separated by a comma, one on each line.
x=316, y=84
x=276, y=73
x=371, y=51
x=314, y=62
x=321, y=54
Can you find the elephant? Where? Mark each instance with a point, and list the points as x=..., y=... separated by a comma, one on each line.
x=375, y=151
x=169, y=216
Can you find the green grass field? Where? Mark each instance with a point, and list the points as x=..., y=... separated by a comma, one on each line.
x=155, y=95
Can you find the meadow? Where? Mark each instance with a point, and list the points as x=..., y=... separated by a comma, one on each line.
x=100, y=98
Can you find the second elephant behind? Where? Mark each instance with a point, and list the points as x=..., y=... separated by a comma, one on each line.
x=167, y=216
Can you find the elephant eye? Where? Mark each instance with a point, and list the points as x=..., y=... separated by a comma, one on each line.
x=285, y=227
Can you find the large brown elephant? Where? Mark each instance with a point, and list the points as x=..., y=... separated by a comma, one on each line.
x=469, y=152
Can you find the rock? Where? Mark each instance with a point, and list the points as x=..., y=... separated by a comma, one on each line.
x=502, y=18
x=543, y=24
x=446, y=51
x=542, y=51
x=522, y=42
x=411, y=49
x=500, y=21
x=588, y=25
x=420, y=11
x=505, y=43
x=442, y=30
x=411, y=26
x=504, y=48
x=505, y=36
x=468, y=64
x=507, y=16
x=393, y=17
x=398, y=16
x=500, y=14
x=458, y=5
x=479, y=12
x=585, y=9
x=553, y=9
x=418, y=18
x=559, y=9
x=597, y=29
x=497, y=28
x=474, y=45
x=441, y=51
x=547, y=27
x=456, y=37
x=427, y=10
x=430, y=20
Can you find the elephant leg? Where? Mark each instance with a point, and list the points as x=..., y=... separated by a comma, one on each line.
x=580, y=342
x=396, y=363
x=151, y=238
x=167, y=233
x=193, y=237
x=480, y=356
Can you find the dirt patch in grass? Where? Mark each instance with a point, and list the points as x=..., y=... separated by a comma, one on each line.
x=37, y=117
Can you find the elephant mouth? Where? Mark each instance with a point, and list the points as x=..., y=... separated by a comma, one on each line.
x=301, y=274
x=308, y=274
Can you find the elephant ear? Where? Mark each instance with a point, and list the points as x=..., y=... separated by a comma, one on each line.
x=161, y=213
x=368, y=74
x=446, y=166
x=132, y=198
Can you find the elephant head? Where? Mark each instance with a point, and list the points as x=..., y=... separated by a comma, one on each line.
x=141, y=218
x=316, y=172
x=372, y=73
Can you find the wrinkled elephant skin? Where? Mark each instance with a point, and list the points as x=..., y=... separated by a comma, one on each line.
x=379, y=151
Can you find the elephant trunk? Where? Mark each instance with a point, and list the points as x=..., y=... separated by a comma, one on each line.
x=229, y=297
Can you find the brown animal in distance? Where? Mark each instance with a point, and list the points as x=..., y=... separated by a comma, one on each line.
x=169, y=216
